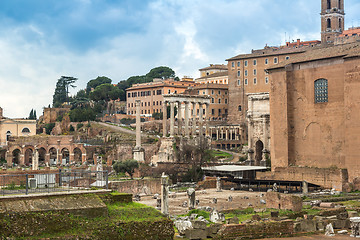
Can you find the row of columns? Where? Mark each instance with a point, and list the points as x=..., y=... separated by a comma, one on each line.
x=186, y=118
x=229, y=132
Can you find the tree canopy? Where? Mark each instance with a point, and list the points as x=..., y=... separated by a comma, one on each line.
x=127, y=166
x=32, y=115
x=106, y=92
x=161, y=72
x=92, y=84
x=62, y=90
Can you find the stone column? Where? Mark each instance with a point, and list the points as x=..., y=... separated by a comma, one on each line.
x=164, y=109
x=265, y=151
x=172, y=120
x=191, y=195
x=179, y=113
x=207, y=119
x=218, y=184
x=194, y=119
x=138, y=124
x=164, y=194
x=305, y=187
x=201, y=120
x=227, y=134
x=217, y=134
x=186, y=119
x=250, y=161
x=35, y=162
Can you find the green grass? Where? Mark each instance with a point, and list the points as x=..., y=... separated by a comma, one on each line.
x=133, y=212
x=351, y=204
x=220, y=154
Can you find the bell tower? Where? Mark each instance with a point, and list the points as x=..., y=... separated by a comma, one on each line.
x=332, y=19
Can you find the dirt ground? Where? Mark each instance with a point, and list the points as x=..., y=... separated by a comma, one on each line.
x=205, y=198
x=315, y=237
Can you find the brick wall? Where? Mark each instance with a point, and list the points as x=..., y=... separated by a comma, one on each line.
x=146, y=186
x=283, y=201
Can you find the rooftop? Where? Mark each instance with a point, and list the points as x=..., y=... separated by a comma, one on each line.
x=214, y=66
x=217, y=74
x=270, y=51
x=211, y=86
x=345, y=51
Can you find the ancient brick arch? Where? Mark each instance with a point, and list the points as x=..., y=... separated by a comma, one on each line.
x=52, y=151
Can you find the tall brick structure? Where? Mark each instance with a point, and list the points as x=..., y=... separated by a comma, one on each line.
x=332, y=20
x=315, y=111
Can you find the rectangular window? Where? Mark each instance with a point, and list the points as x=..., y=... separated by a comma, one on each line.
x=254, y=72
x=245, y=63
x=238, y=82
x=266, y=80
x=233, y=64
x=266, y=61
x=238, y=64
x=226, y=111
x=254, y=62
x=219, y=111
x=219, y=100
x=246, y=81
x=246, y=73
x=254, y=80
x=238, y=73
x=129, y=95
x=275, y=60
x=225, y=100
x=212, y=91
x=212, y=100
x=321, y=90
x=212, y=111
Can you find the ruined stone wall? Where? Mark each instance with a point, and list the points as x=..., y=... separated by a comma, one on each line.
x=277, y=200
x=325, y=177
x=143, y=186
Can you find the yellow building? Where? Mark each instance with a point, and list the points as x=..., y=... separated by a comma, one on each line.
x=15, y=128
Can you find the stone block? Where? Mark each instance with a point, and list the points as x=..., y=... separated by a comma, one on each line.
x=320, y=226
x=305, y=226
x=199, y=225
x=343, y=215
x=233, y=220
x=213, y=229
x=256, y=217
x=195, y=234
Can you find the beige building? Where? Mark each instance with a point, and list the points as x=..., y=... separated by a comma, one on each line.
x=15, y=128
x=151, y=95
x=212, y=69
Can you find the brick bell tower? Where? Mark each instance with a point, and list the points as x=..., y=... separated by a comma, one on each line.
x=332, y=20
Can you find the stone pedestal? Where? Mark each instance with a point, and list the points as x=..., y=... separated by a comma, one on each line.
x=355, y=227
x=35, y=161
x=139, y=154
x=191, y=194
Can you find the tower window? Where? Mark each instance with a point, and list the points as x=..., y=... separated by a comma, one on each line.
x=328, y=23
x=328, y=4
x=340, y=23
x=321, y=90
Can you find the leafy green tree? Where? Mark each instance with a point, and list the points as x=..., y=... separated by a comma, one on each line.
x=82, y=114
x=127, y=166
x=157, y=116
x=105, y=92
x=161, y=72
x=49, y=127
x=62, y=90
x=92, y=84
x=71, y=129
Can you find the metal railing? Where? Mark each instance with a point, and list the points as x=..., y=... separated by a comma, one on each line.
x=53, y=182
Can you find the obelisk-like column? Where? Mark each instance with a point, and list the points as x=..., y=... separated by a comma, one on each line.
x=194, y=119
x=187, y=119
x=201, y=120
x=179, y=114
x=138, y=124
x=172, y=120
x=207, y=119
x=164, y=118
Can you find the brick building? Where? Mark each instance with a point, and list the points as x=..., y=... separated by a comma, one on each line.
x=314, y=108
x=247, y=75
x=212, y=69
x=332, y=20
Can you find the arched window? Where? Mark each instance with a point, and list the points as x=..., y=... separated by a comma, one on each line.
x=328, y=23
x=25, y=130
x=328, y=4
x=340, y=23
x=8, y=135
x=321, y=90
x=339, y=4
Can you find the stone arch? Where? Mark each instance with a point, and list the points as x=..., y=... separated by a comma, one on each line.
x=28, y=156
x=16, y=153
x=259, y=146
x=65, y=155
x=53, y=154
x=77, y=155
x=42, y=155
x=25, y=131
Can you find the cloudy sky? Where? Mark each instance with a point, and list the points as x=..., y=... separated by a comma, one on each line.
x=41, y=40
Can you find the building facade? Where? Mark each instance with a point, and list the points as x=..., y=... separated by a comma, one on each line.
x=212, y=69
x=151, y=95
x=15, y=128
x=315, y=110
